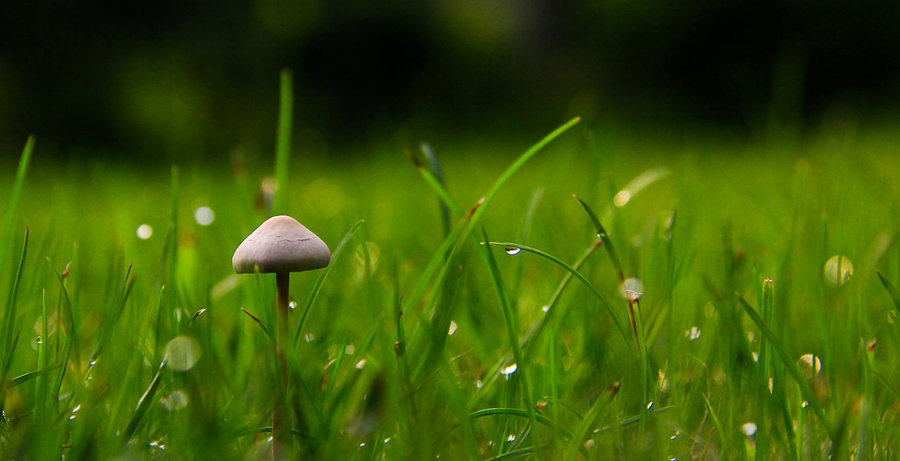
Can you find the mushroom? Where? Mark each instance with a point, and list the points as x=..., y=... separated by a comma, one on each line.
x=281, y=245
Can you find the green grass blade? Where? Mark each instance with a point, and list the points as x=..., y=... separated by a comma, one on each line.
x=464, y=228
x=26, y=377
x=576, y=274
x=448, y=205
x=10, y=339
x=143, y=404
x=895, y=295
x=604, y=237
x=723, y=437
x=439, y=175
x=314, y=293
x=791, y=368
x=512, y=331
x=16, y=193
x=283, y=142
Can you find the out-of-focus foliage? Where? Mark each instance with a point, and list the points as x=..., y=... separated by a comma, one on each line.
x=179, y=79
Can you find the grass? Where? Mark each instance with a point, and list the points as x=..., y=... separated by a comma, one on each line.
x=116, y=346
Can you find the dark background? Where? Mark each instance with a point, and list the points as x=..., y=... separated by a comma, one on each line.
x=193, y=79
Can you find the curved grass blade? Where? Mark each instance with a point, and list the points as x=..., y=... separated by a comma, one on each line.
x=789, y=365
x=512, y=331
x=466, y=225
x=604, y=237
x=575, y=273
x=314, y=293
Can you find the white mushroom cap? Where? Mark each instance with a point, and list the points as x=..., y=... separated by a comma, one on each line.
x=281, y=244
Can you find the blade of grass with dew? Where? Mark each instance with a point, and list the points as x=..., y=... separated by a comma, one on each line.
x=790, y=367
x=123, y=293
x=575, y=273
x=512, y=331
x=13, y=203
x=283, y=142
x=464, y=228
x=441, y=307
x=633, y=308
x=40, y=383
x=317, y=287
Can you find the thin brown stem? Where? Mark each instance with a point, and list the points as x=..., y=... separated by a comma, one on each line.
x=281, y=414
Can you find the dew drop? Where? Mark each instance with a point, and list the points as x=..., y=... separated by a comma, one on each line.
x=511, y=438
x=838, y=270
x=292, y=305
x=622, y=198
x=509, y=370
x=513, y=251
x=452, y=328
x=183, y=353
x=361, y=364
x=175, y=400
x=650, y=405
x=309, y=337
x=204, y=215
x=749, y=429
x=632, y=289
x=692, y=334
x=144, y=231
x=810, y=365
x=350, y=349
x=546, y=308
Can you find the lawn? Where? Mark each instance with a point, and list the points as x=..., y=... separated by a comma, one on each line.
x=736, y=334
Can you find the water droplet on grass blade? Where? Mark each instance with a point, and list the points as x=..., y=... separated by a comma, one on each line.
x=749, y=429
x=810, y=365
x=511, y=438
x=632, y=289
x=838, y=270
x=144, y=231
x=509, y=370
x=183, y=352
x=512, y=251
x=692, y=334
x=452, y=328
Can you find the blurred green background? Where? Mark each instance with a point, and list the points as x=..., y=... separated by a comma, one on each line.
x=180, y=80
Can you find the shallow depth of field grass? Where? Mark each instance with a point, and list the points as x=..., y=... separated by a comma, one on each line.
x=733, y=339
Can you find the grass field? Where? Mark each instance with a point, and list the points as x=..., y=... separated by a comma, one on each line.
x=735, y=337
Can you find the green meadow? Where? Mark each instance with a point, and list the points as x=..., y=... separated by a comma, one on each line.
x=703, y=297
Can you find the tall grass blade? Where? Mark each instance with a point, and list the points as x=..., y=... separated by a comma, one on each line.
x=9, y=339
x=439, y=176
x=791, y=368
x=283, y=142
x=604, y=237
x=143, y=404
x=13, y=203
x=895, y=295
x=512, y=331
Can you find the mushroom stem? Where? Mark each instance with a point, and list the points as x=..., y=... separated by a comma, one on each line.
x=280, y=414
